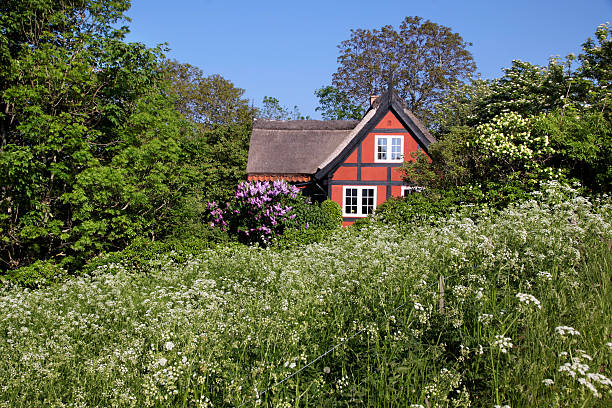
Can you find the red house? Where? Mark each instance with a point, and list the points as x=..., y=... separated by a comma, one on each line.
x=355, y=163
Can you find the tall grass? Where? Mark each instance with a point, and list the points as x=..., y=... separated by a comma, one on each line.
x=354, y=321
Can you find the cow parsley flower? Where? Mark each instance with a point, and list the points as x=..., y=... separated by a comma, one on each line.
x=503, y=343
x=527, y=299
x=563, y=330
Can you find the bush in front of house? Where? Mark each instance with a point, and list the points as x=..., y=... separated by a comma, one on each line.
x=333, y=213
x=314, y=223
x=259, y=211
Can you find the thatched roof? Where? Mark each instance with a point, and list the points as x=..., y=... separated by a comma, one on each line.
x=294, y=146
x=303, y=148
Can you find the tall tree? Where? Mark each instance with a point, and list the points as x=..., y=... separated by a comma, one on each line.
x=208, y=100
x=424, y=58
x=336, y=105
x=89, y=156
x=273, y=110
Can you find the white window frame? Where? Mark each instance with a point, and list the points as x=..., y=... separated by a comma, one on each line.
x=359, y=213
x=412, y=189
x=389, y=140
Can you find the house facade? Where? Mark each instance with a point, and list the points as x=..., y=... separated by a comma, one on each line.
x=354, y=163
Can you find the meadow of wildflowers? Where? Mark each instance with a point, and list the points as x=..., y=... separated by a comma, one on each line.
x=352, y=321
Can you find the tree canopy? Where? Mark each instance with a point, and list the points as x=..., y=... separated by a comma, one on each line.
x=93, y=153
x=336, y=105
x=273, y=110
x=423, y=58
x=532, y=124
x=207, y=100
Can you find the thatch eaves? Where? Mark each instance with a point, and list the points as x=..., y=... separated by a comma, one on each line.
x=295, y=146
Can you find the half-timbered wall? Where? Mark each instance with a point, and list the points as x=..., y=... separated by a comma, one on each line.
x=362, y=169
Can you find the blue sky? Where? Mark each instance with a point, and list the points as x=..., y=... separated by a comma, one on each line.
x=289, y=49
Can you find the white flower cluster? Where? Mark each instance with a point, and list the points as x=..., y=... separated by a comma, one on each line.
x=503, y=343
x=563, y=330
x=527, y=299
x=485, y=318
x=576, y=367
x=545, y=275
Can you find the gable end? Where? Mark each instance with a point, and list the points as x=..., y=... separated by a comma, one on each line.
x=388, y=102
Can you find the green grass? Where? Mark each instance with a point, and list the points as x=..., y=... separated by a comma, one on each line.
x=232, y=326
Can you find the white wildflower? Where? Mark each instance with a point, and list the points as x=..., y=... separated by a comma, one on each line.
x=169, y=345
x=547, y=382
x=528, y=299
x=563, y=330
x=545, y=276
x=485, y=318
x=589, y=385
x=504, y=343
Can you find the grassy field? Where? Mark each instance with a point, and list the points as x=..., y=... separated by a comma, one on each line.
x=354, y=321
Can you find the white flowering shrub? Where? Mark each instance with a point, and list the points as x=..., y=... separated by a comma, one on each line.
x=508, y=141
x=358, y=320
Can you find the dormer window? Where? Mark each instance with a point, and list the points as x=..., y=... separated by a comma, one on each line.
x=389, y=149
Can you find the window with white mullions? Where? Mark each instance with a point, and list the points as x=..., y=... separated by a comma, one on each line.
x=350, y=200
x=381, y=152
x=396, y=148
x=367, y=201
x=389, y=149
x=358, y=201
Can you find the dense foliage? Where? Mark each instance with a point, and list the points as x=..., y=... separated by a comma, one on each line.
x=354, y=321
x=335, y=104
x=93, y=151
x=533, y=124
x=67, y=130
x=209, y=101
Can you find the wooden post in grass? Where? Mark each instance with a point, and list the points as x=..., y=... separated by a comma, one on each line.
x=441, y=289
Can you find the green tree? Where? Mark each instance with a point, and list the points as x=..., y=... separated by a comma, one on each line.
x=273, y=110
x=207, y=100
x=336, y=105
x=90, y=145
x=596, y=58
x=424, y=58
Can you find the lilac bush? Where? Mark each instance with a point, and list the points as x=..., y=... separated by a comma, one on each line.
x=260, y=211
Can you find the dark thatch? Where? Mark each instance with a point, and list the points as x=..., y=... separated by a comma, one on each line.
x=305, y=124
x=295, y=146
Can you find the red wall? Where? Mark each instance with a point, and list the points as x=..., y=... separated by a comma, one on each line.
x=377, y=174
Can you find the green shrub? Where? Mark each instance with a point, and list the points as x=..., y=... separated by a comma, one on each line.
x=137, y=255
x=38, y=274
x=333, y=213
x=318, y=221
x=326, y=216
x=293, y=237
